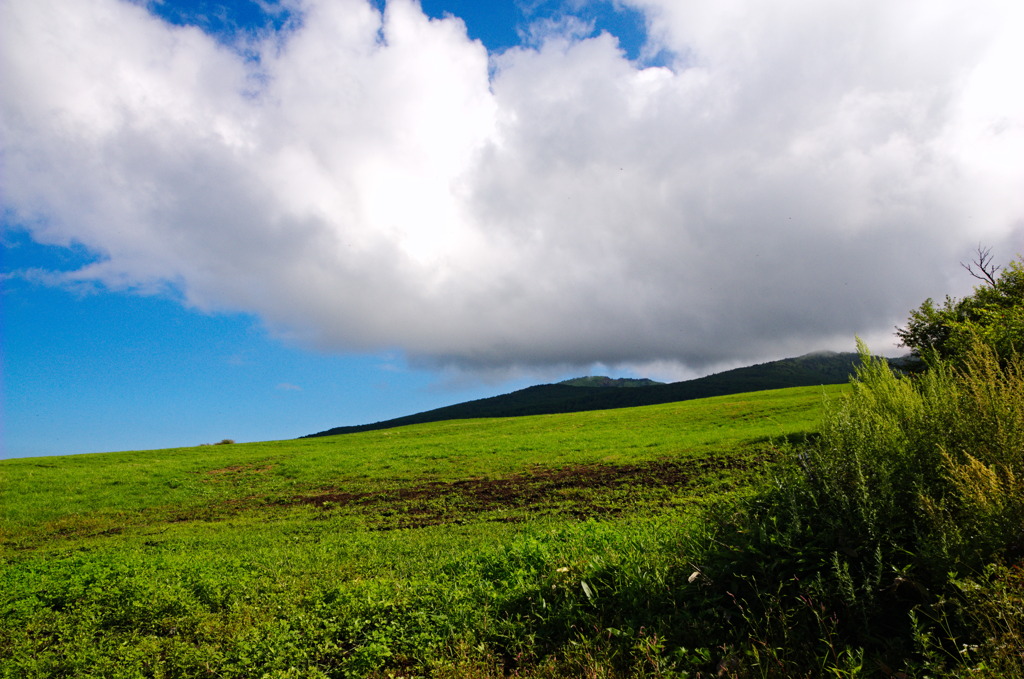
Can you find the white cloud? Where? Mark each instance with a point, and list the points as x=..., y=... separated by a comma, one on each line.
x=804, y=172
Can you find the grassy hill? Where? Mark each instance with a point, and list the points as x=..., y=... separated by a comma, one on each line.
x=583, y=394
x=449, y=549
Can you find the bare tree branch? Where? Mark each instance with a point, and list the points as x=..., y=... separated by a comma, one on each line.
x=986, y=270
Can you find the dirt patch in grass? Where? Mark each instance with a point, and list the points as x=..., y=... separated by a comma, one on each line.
x=240, y=469
x=580, y=490
x=577, y=491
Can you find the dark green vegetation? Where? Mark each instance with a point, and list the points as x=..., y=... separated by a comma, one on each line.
x=600, y=381
x=579, y=395
x=894, y=546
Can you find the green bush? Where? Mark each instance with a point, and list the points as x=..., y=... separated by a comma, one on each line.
x=994, y=312
x=855, y=553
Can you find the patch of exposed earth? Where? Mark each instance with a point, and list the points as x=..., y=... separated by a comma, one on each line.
x=580, y=490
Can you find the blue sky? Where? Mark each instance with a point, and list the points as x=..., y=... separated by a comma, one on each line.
x=257, y=220
x=95, y=371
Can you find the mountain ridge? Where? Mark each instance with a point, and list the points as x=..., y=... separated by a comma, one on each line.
x=816, y=368
x=604, y=382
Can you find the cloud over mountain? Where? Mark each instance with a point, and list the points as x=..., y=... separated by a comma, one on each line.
x=796, y=173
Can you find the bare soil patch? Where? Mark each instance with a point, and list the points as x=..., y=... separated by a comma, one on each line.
x=580, y=490
x=240, y=469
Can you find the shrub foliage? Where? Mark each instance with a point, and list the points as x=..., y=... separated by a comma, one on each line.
x=995, y=313
x=873, y=552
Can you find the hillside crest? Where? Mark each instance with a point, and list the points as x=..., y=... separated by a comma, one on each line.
x=813, y=369
x=602, y=382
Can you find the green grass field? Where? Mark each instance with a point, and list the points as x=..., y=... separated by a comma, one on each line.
x=543, y=546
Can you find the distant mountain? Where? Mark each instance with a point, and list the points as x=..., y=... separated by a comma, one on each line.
x=581, y=394
x=602, y=381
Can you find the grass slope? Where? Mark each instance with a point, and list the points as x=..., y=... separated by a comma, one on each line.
x=435, y=549
x=581, y=395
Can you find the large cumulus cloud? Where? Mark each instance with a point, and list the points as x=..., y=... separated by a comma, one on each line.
x=797, y=172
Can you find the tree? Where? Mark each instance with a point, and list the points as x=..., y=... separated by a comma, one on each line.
x=994, y=313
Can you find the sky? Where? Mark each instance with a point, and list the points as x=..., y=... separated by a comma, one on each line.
x=260, y=219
